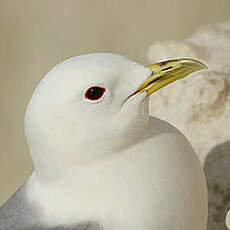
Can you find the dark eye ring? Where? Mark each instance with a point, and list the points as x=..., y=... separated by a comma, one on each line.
x=94, y=93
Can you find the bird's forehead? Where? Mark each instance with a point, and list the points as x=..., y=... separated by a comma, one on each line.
x=98, y=66
x=78, y=73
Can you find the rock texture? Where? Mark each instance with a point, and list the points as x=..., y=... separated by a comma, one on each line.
x=200, y=107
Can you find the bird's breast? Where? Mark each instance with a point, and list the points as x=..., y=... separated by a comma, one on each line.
x=146, y=185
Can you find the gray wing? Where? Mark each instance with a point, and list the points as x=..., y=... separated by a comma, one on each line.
x=18, y=214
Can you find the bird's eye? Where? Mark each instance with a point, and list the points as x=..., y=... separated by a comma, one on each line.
x=94, y=93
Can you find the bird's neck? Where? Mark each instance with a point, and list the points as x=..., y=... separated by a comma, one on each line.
x=56, y=166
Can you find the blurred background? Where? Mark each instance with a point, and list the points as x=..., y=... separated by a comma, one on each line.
x=35, y=35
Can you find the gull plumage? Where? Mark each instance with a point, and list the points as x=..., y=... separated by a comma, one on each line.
x=103, y=162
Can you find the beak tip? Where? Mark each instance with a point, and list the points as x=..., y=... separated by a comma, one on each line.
x=203, y=65
x=194, y=62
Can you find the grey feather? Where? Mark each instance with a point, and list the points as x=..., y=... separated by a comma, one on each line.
x=19, y=214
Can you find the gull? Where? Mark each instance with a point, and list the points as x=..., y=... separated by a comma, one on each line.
x=101, y=162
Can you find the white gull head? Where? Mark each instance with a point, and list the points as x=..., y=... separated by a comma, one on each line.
x=65, y=128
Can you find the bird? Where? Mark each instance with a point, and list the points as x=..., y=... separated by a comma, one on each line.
x=100, y=161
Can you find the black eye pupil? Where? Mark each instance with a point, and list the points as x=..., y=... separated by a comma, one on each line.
x=94, y=93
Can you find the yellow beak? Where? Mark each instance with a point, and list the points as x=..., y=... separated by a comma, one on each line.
x=166, y=72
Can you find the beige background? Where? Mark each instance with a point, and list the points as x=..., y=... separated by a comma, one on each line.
x=35, y=35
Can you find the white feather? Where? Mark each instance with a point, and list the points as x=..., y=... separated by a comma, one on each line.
x=108, y=161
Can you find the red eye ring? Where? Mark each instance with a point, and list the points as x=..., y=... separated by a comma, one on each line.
x=94, y=93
